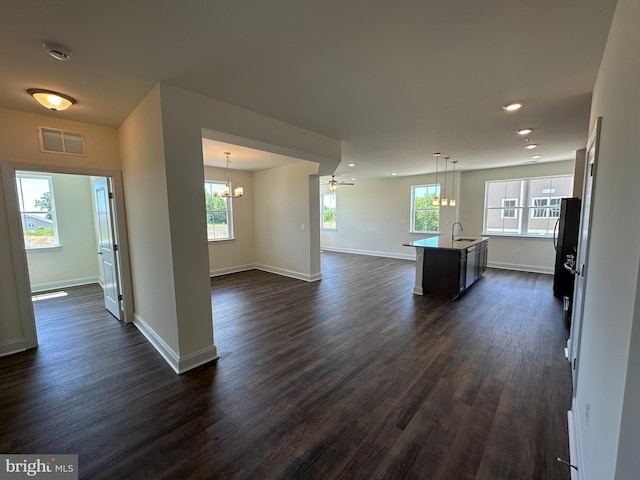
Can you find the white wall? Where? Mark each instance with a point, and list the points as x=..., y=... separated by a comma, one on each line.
x=282, y=213
x=608, y=380
x=373, y=217
x=161, y=144
x=75, y=262
x=228, y=256
x=19, y=143
x=144, y=179
x=534, y=254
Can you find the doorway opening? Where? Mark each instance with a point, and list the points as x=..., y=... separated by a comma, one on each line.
x=68, y=236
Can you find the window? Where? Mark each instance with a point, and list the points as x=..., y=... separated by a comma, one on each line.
x=37, y=210
x=425, y=217
x=509, y=212
x=527, y=207
x=329, y=211
x=552, y=202
x=219, y=217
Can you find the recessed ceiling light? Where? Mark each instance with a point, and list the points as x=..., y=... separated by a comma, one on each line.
x=351, y=164
x=52, y=100
x=512, y=106
x=531, y=146
x=536, y=156
x=524, y=131
x=393, y=174
x=353, y=179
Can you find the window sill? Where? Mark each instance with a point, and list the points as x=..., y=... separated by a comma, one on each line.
x=424, y=233
x=222, y=240
x=51, y=248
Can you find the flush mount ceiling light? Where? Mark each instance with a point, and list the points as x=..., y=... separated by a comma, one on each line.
x=511, y=107
x=531, y=146
x=351, y=164
x=52, y=100
x=536, y=156
x=57, y=51
x=524, y=131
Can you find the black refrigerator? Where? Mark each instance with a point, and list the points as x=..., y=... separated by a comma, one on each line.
x=565, y=240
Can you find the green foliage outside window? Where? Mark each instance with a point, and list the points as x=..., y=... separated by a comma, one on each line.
x=216, y=210
x=426, y=216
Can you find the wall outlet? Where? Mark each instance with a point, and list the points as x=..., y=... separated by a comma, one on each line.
x=302, y=227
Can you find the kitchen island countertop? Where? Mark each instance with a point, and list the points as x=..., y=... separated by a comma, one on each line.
x=444, y=242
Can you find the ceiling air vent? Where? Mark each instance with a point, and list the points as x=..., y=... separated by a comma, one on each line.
x=58, y=141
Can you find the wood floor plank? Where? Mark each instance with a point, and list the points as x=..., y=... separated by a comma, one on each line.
x=349, y=377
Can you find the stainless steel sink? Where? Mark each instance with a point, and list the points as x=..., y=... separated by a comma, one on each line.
x=465, y=239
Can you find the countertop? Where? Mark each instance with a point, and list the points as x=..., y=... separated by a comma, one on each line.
x=444, y=242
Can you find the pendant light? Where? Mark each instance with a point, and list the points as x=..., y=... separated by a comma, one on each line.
x=444, y=201
x=226, y=191
x=436, y=198
x=452, y=200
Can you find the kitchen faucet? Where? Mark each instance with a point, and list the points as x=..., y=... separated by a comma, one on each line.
x=453, y=227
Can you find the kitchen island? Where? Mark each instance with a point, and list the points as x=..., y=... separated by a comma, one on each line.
x=446, y=267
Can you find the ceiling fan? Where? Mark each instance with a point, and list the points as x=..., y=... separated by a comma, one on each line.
x=333, y=183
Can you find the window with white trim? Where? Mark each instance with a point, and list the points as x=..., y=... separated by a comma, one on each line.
x=508, y=208
x=37, y=210
x=328, y=213
x=546, y=207
x=525, y=206
x=425, y=216
x=219, y=218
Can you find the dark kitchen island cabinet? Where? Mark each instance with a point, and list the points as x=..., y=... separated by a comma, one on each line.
x=445, y=268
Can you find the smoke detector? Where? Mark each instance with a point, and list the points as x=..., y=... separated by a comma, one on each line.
x=57, y=51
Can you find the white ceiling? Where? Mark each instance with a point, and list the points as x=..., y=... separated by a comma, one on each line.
x=394, y=81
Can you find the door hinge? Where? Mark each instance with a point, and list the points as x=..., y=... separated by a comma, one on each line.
x=115, y=248
x=591, y=171
x=111, y=195
x=574, y=363
x=120, y=298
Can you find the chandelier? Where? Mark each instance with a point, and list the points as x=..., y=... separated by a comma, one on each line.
x=226, y=191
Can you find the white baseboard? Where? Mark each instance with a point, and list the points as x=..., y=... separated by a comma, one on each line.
x=71, y=282
x=575, y=442
x=521, y=268
x=314, y=277
x=12, y=346
x=198, y=358
x=225, y=271
x=371, y=253
x=171, y=357
x=179, y=364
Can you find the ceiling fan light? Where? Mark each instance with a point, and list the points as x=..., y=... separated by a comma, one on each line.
x=52, y=100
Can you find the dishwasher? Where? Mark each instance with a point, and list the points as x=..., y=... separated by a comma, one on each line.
x=472, y=260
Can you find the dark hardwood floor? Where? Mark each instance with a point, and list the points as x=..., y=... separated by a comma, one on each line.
x=352, y=377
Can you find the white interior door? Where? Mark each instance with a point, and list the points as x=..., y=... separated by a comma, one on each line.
x=582, y=254
x=107, y=247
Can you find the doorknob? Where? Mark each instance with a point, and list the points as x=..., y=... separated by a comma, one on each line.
x=99, y=253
